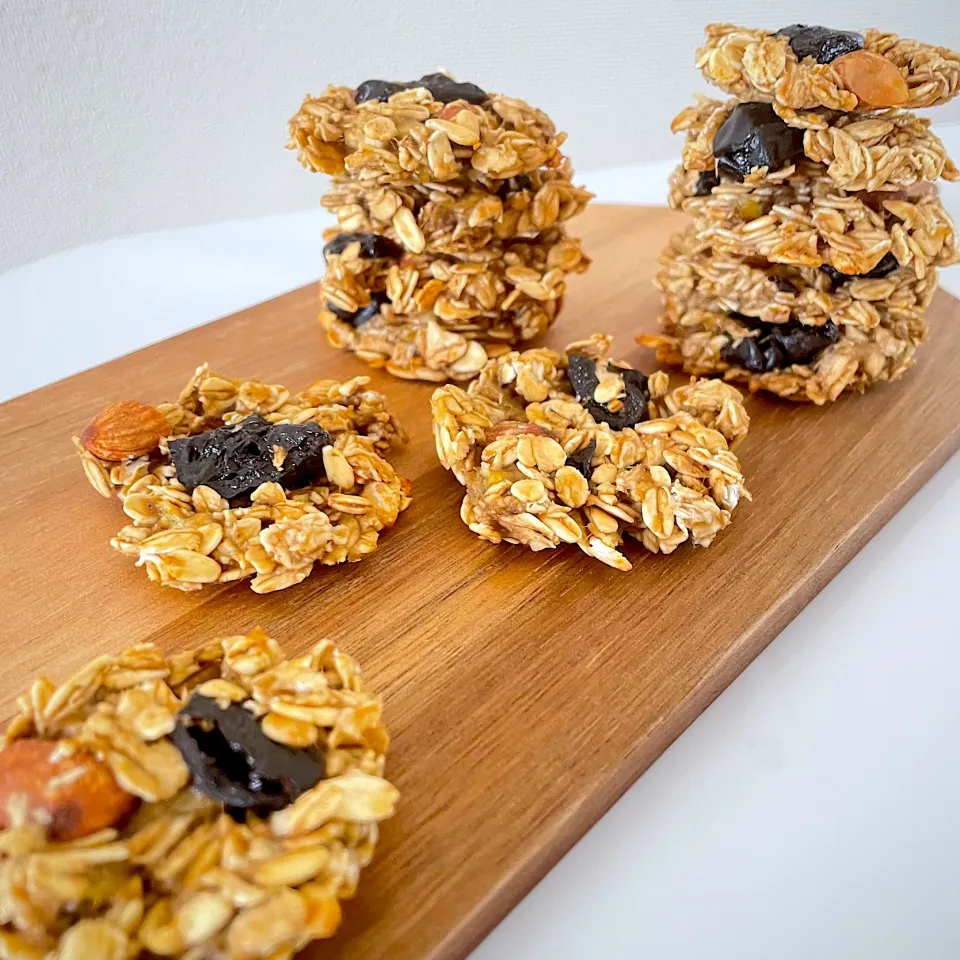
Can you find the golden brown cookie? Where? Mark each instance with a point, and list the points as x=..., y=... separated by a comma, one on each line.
x=252, y=788
x=247, y=479
x=805, y=67
x=571, y=447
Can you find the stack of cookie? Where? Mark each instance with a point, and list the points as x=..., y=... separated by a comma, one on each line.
x=817, y=227
x=451, y=204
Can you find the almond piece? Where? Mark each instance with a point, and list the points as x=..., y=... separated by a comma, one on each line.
x=125, y=429
x=76, y=794
x=875, y=80
x=514, y=428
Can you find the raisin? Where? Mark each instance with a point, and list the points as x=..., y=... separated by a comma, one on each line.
x=707, y=180
x=582, y=372
x=779, y=345
x=821, y=43
x=373, y=246
x=233, y=761
x=582, y=459
x=359, y=317
x=888, y=263
x=754, y=136
x=442, y=88
x=234, y=460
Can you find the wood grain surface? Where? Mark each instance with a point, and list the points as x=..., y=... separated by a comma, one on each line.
x=524, y=691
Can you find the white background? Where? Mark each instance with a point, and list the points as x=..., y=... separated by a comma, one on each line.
x=812, y=810
x=121, y=116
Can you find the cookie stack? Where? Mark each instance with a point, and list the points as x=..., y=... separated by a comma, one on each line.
x=451, y=204
x=817, y=227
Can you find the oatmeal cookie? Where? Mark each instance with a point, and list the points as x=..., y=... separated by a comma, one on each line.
x=793, y=360
x=804, y=67
x=428, y=131
x=573, y=448
x=461, y=216
x=244, y=479
x=883, y=151
x=692, y=278
x=799, y=217
x=420, y=315
x=216, y=804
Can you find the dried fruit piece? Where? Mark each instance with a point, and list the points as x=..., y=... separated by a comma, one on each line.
x=234, y=460
x=747, y=354
x=75, y=793
x=821, y=43
x=514, y=185
x=373, y=246
x=125, y=429
x=442, y=88
x=582, y=459
x=235, y=763
x=446, y=90
x=707, y=180
x=874, y=79
x=783, y=284
x=359, y=317
x=779, y=345
x=887, y=265
x=381, y=90
x=753, y=136
x=582, y=372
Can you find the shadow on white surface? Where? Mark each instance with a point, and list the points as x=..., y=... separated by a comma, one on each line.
x=811, y=811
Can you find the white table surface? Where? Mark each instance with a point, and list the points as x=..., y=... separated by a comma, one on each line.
x=813, y=811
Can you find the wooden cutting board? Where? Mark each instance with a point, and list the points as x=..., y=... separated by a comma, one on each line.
x=524, y=691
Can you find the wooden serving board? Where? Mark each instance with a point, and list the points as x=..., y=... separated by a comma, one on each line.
x=524, y=691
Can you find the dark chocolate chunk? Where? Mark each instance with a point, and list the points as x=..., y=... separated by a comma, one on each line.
x=442, y=88
x=887, y=265
x=235, y=460
x=235, y=763
x=779, y=345
x=581, y=460
x=372, y=245
x=707, y=180
x=754, y=136
x=359, y=317
x=821, y=43
x=582, y=372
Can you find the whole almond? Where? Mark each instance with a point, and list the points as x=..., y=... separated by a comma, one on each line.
x=125, y=429
x=76, y=794
x=874, y=79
